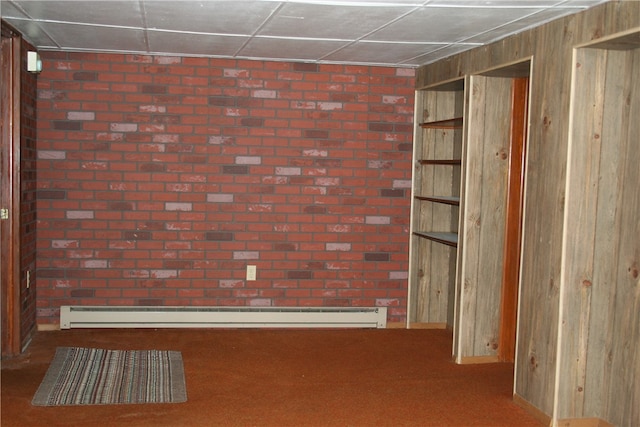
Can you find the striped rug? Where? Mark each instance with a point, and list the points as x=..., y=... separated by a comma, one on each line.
x=90, y=376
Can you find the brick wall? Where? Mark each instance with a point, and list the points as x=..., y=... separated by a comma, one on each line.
x=161, y=178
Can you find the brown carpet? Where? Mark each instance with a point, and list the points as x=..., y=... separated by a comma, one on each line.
x=391, y=377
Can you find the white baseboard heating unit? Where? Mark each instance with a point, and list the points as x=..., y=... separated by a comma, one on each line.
x=221, y=317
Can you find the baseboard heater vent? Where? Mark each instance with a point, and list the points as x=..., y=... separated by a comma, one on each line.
x=221, y=317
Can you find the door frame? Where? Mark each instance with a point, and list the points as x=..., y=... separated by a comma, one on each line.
x=10, y=193
x=513, y=220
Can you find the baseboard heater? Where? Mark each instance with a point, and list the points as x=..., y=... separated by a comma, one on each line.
x=221, y=317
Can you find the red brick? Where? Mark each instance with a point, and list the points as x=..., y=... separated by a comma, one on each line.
x=167, y=133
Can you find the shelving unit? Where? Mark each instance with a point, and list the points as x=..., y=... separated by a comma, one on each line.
x=437, y=181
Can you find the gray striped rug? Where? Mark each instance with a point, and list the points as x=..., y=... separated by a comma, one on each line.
x=89, y=376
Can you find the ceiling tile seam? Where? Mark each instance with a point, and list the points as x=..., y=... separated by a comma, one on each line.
x=260, y=27
x=256, y=58
x=310, y=39
x=86, y=24
x=470, y=44
x=194, y=33
x=145, y=33
x=511, y=6
x=354, y=3
x=165, y=53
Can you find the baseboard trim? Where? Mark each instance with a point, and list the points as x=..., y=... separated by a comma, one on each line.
x=427, y=325
x=396, y=325
x=470, y=360
x=531, y=409
x=583, y=422
x=49, y=327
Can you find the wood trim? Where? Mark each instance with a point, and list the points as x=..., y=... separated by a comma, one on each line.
x=583, y=422
x=47, y=327
x=533, y=410
x=396, y=325
x=471, y=360
x=429, y=325
x=513, y=226
x=10, y=196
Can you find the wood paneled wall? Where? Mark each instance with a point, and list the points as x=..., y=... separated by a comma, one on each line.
x=600, y=332
x=586, y=278
x=482, y=228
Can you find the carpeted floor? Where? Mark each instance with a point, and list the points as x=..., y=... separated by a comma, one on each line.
x=391, y=377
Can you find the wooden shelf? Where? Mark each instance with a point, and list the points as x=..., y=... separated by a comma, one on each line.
x=436, y=202
x=455, y=123
x=450, y=239
x=440, y=162
x=440, y=199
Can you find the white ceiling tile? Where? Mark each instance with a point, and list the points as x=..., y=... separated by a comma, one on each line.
x=447, y=25
x=519, y=25
x=8, y=10
x=83, y=37
x=122, y=13
x=383, y=53
x=194, y=44
x=494, y=3
x=32, y=31
x=443, y=53
x=263, y=47
x=319, y=21
x=221, y=17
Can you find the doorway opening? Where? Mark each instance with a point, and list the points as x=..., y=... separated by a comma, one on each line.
x=517, y=76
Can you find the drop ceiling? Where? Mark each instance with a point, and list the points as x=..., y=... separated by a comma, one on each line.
x=402, y=33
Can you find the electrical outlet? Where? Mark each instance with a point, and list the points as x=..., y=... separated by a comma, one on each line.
x=251, y=272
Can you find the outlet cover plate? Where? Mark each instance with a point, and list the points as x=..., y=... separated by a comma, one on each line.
x=251, y=272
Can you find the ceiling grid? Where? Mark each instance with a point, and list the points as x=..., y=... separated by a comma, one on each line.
x=399, y=33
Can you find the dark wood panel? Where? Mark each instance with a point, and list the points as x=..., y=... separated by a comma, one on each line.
x=513, y=226
x=10, y=196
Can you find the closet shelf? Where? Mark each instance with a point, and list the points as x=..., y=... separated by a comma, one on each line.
x=455, y=123
x=450, y=239
x=447, y=200
x=440, y=162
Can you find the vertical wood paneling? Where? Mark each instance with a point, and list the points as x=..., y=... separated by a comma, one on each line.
x=494, y=197
x=471, y=220
x=598, y=349
x=582, y=202
x=442, y=258
x=544, y=210
x=603, y=287
x=415, y=247
x=484, y=217
x=624, y=330
x=601, y=230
